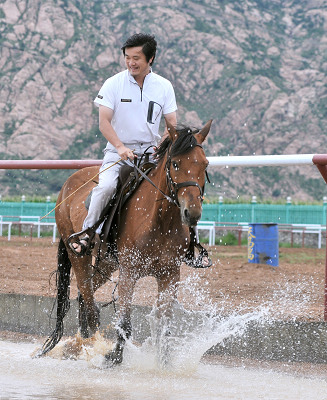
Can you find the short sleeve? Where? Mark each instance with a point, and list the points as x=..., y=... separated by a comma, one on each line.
x=170, y=101
x=106, y=96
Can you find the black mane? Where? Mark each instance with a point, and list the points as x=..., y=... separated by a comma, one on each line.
x=184, y=143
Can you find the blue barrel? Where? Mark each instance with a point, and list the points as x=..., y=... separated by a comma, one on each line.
x=263, y=244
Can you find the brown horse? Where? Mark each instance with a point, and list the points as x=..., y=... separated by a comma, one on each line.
x=152, y=240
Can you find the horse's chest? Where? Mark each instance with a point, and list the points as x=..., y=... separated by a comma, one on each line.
x=155, y=244
x=170, y=244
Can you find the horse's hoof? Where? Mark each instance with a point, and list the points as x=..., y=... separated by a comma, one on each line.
x=37, y=354
x=112, y=359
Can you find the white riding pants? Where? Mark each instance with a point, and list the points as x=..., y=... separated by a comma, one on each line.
x=108, y=180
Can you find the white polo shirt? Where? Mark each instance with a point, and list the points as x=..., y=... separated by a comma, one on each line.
x=132, y=120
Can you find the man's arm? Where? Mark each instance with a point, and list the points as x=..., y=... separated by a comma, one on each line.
x=105, y=117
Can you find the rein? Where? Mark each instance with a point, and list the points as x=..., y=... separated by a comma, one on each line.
x=131, y=164
x=173, y=187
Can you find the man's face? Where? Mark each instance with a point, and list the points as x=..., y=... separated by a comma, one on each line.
x=136, y=62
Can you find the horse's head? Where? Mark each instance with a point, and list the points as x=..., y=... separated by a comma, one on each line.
x=186, y=171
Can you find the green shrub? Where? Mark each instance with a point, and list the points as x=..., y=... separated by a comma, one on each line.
x=227, y=240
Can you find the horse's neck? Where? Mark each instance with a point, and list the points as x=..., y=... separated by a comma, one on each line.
x=160, y=207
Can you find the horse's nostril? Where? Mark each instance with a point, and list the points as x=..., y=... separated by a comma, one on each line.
x=187, y=214
x=191, y=218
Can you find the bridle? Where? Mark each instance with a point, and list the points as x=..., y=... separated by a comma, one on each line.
x=174, y=187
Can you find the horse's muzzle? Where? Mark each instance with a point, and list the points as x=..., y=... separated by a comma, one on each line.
x=191, y=215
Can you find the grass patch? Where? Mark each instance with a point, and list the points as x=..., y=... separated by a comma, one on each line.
x=26, y=232
x=227, y=240
x=286, y=245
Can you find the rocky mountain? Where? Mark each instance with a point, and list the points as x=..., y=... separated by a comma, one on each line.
x=257, y=67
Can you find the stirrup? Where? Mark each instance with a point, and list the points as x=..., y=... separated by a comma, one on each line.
x=196, y=262
x=85, y=248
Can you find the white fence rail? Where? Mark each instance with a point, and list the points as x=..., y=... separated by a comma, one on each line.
x=212, y=227
x=26, y=220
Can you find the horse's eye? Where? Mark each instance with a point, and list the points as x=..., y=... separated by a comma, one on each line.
x=175, y=165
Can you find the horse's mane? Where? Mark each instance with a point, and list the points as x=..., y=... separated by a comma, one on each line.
x=183, y=144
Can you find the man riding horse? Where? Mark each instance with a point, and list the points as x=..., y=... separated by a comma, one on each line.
x=130, y=107
x=155, y=233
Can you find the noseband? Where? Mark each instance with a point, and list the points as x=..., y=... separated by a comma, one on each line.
x=174, y=187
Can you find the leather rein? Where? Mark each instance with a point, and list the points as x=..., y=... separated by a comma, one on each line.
x=172, y=186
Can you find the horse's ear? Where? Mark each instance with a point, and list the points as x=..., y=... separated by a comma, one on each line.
x=204, y=132
x=171, y=131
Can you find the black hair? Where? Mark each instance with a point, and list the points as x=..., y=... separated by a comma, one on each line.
x=148, y=43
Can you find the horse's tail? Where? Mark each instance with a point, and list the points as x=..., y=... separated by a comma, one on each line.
x=63, y=304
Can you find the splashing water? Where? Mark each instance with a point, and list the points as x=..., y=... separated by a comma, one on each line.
x=25, y=378
x=195, y=330
x=293, y=299
x=196, y=325
x=190, y=336
x=191, y=332
x=78, y=348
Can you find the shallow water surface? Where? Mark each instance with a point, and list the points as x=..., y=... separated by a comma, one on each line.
x=24, y=377
x=191, y=334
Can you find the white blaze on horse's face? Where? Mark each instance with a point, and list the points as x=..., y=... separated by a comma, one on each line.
x=190, y=167
x=136, y=63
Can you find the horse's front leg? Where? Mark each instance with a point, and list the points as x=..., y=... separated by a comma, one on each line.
x=82, y=317
x=167, y=295
x=124, y=327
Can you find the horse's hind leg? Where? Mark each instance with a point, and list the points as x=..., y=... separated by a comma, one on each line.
x=63, y=285
x=100, y=277
x=87, y=305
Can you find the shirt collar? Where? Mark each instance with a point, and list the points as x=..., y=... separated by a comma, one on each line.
x=131, y=78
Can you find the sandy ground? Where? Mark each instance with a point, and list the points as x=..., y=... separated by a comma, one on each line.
x=295, y=289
